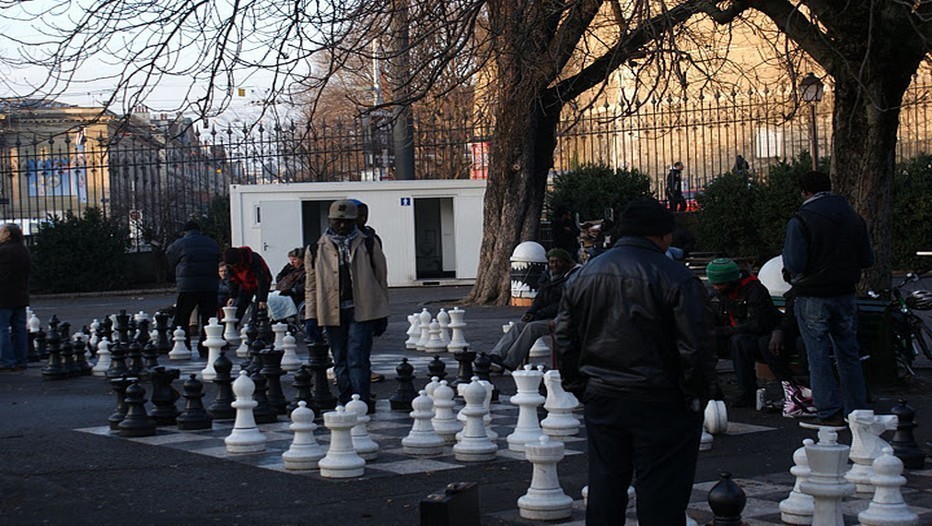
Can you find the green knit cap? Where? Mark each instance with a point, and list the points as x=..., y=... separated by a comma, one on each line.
x=722, y=270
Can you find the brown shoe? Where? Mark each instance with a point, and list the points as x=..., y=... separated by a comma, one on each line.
x=376, y=378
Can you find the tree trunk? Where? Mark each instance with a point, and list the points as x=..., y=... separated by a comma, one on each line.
x=522, y=155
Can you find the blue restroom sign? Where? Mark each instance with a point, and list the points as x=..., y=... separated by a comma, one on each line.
x=405, y=201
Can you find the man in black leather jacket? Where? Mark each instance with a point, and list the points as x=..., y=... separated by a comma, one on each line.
x=636, y=344
x=194, y=258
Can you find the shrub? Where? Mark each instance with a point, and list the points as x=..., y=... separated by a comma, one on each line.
x=591, y=189
x=73, y=254
x=912, y=213
x=779, y=199
x=727, y=208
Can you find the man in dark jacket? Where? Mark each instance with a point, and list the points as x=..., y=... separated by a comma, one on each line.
x=635, y=340
x=512, y=349
x=744, y=313
x=250, y=278
x=826, y=247
x=15, y=266
x=194, y=257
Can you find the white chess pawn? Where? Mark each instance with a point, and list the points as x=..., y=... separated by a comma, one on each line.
x=365, y=447
x=887, y=507
x=826, y=483
x=716, y=417
x=214, y=344
x=414, y=331
x=457, y=341
x=246, y=437
x=432, y=385
x=444, y=422
x=540, y=349
x=422, y=439
x=341, y=460
x=229, y=331
x=304, y=452
x=560, y=421
x=444, y=320
x=103, y=358
x=528, y=399
x=474, y=444
x=290, y=360
x=180, y=351
x=545, y=499
x=487, y=404
x=797, y=508
x=243, y=350
x=424, y=327
x=33, y=322
x=279, y=329
x=434, y=342
x=95, y=325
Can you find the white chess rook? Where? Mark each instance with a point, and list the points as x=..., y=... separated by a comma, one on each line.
x=887, y=508
x=560, y=421
x=341, y=460
x=866, y=445
x=365, y=447
x=290, y=360
x=474, y=444
x=304, y=452
x=797, y=508
x=528, y=399
x=214, y=344
x=422, y=439
x=828, y=461
x=545, y=499
x=180, y=351
x=246, y=437
x=457, y=341
x=444, y=422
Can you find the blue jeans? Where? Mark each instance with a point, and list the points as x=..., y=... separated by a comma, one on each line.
x=351, y=345
x=656, y=442
x=13, y=338
x=825, y=324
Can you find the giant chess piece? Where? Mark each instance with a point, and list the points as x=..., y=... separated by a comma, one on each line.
x=545, y=499
x=221, y=408
x=341, y=460
x=474, y=444
x=279, y=330
x=483, y=369
x=414, y=332
x=797, y=508
x=302, y=386
x=434, y=342
x=527, y=430
x=444, y=422
x=81, y=366
x=119, y=386
x=243, y=350
x=405, y=393
x=263, y=412
x=318, y=363
x=118, y=366
x=150, y=354
x=164, y=396
x=424, y=328
x=290, y=360
x=103, y=358
x=194, y=416
x=136, y=423
x=365, y=447
x=41, y=346
x=214, y=344
x=422, y=439
x=487, y=403
x=246, y=437
x=437, y=368
x=122, y=327
x=304, y=452
x=443, y=318
x=560, y=421
x=826, y=483
x=464, y=373
x=716, y=417
x=67, y=350
x=271, y=360
x=866, y=445
x=726, y=500
x=33, y=325
x=457, y=341
x=137, y=366
x=54, y=370
x=180, y=351
x=229, y=332
x=904, y=442
x=162, y=327
x=887, y=507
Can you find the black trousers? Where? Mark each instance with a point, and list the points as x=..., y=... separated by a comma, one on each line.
x=206, y=303
x=657, y=443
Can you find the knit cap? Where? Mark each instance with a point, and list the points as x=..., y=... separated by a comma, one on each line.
x=722, y=270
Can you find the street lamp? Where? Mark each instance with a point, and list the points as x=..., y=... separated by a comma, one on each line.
x=812, y=89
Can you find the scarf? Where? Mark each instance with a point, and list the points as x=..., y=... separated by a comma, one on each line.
x=343, y=244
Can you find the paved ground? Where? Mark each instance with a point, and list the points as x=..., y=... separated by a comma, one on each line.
x=52, y=473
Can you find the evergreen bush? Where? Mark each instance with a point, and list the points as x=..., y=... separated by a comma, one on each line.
x=912, y=213
x=591, y=189
x=727, y=211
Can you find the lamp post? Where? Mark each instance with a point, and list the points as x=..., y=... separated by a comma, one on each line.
x=812, y=88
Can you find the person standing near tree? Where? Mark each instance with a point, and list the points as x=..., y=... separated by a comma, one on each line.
x=826, y=247
x=635, y=341
x=15, y=267
x=194, y=257
x=675, y=200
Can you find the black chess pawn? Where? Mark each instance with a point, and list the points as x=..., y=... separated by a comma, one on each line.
x=437, y=368
x=302, y=385
x=253, y=361
x=272, y=370
x=150, y=354
x=483, y=368
x=904, y=442
x=317, y=363
x=164, y=396
x=405, y=393
x=137, y=367
x=727, y=500
x=67, y=350
x=194, y=415
x=41, y=347
x=136, y=423
x=142, y=332
x=119, y=385
x=54, y=369
x=163, y=342
x=263, y=412
x=118, y=366
x=105, y=329
x=464, y=372
x=81, y=365
x=220, y=408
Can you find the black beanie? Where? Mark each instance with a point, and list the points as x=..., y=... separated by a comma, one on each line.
x=645, y=217
x=191, y=225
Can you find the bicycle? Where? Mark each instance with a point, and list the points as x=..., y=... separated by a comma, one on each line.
x=912, y=336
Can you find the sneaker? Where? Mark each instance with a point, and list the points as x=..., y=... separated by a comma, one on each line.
x=836, y=420
x=497, y=365
x=376, y=378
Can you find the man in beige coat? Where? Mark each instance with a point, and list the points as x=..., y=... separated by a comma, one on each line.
x=347, y=293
